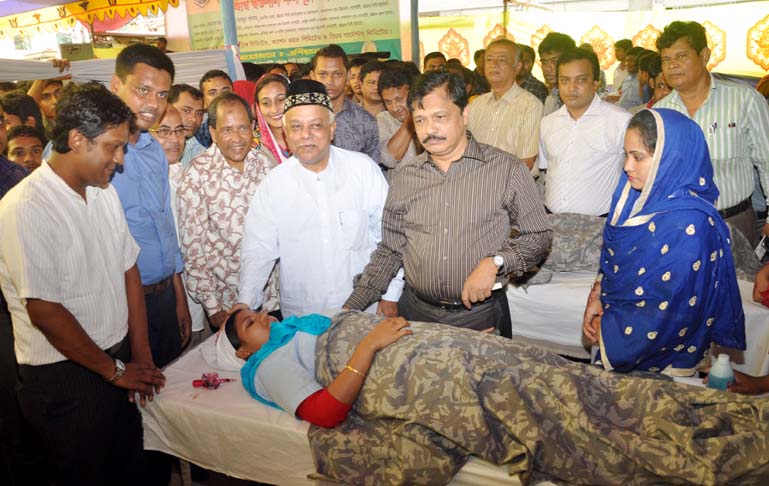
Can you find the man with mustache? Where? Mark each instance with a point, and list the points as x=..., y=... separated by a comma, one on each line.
x=459, y=218
x=143, y=76
x=320, y=213
x=214, y=195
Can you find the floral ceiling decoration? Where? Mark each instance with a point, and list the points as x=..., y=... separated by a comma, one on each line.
x=497, y=32
x=757, y=43
x=53, y=19
x=453, y=45
x=716, y=42
x=647, y=37
x=536, y=39
x=603, y=45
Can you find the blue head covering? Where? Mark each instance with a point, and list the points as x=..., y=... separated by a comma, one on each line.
x=280, y=334
x=669, y=286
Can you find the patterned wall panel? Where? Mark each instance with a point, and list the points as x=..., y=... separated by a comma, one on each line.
x=495, y=33
x=757, y=43
x=454, y=44
x=603, y=45
x=716, y=42
x=647, y=37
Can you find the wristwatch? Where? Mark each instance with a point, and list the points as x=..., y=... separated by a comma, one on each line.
x=499, y=261
x=119, y=371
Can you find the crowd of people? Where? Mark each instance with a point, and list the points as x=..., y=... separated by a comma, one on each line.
x=141, y=217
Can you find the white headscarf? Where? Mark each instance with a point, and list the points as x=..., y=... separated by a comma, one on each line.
x=219, y=353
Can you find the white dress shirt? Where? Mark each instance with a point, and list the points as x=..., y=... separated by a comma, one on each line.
x=323, y=228
x=59, y=248
x=583, y=157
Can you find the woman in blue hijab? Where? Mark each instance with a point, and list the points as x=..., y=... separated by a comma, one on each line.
x=666, y=287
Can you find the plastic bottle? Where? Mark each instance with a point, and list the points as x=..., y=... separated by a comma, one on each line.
x=721, y=373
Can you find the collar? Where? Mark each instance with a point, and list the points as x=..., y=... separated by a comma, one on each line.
x=595, y=108
x=715, y=84
x=219, y=162
x=47, y=173
x=510, y=95
x=144, y=141
x=472, y=151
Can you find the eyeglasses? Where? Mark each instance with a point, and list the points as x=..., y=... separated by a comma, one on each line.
x=166, y=132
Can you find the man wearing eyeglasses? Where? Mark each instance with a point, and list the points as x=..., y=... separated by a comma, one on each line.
x=733, y=117
x=213, y=199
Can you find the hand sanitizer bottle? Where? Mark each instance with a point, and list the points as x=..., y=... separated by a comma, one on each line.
x=721, y=373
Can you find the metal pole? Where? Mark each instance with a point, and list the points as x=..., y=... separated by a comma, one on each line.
x=415, y=32
x=505, y=17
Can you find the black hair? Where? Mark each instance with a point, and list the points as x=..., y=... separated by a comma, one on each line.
x=650, y=62
x=256, y=71
x=579, y=54
x=6, y=86
x=479, y=53
x=434, y=80
x=177, y=89
x=433, y=55
x=226, y=97
x=333, y=51
x=25, y=131
x=393, y=78
x=624, y=44
x=370, y=67
x=22, y=105
x=278, y=66
x=269, y=79
x=358, y=61
x=527, y=49
x=145, y=54
x=231, y=331
x=90, y=109
x=644, y=122
x=411, y=68
x=304, y=70
x=467, y=76
x=693, y=32
x=555, y=41
x=48, y=82
x=635, y=52
x=213, y=74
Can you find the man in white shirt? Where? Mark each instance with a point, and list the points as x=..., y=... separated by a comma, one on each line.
x=68, y=271
x=581, y=144
x=319, y=213
x=508, y=117
x=396, y=128
x=620, y=51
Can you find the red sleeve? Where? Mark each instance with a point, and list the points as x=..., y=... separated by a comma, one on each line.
x=322, y=409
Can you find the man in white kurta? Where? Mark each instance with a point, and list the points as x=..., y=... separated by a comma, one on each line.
x=320, y=213
x=581, y=143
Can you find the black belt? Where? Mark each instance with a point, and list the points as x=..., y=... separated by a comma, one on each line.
x=450, y=305
x=158, y=287
x=113, y=350
x=735, y=210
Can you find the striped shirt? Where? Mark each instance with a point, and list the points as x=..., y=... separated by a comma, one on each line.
x=510, y=123
x=735, y=121
x=439, y=226
x=59, y=248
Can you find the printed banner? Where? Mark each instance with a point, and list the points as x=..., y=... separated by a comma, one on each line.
x=292, y=30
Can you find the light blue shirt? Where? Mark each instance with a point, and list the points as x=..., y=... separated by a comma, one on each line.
x=287, y=376
x=630, y=96
x=146, y=197
x=192, y=149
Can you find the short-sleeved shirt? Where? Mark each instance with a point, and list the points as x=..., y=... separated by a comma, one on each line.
x=287, y=376
x=510, y=123
x=59, y=248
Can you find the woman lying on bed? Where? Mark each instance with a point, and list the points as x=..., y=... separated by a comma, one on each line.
x=277, y=362
x=666, y=287
x=426, y=402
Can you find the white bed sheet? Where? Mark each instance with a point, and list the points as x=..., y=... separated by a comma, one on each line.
x=227, y=431
x=552, y=313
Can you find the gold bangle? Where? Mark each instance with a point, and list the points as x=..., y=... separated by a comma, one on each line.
x=348, y=367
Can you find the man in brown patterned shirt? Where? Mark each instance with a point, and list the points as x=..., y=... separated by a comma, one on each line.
x=459, y=219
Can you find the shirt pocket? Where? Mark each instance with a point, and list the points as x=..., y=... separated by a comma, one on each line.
x=353, y=225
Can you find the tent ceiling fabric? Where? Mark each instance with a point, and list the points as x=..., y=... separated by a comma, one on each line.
x=13, y=7
x=67, y=14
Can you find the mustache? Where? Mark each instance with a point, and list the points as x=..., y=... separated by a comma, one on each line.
x=431, y=138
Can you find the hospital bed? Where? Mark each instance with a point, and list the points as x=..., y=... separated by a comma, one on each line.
x=550, y=315
x=227, y=431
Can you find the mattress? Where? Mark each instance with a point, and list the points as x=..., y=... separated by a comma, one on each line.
x=227, y=431
x=551, y=315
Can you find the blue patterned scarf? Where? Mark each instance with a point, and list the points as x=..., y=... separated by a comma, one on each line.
x=280, y=334
x=669, y=287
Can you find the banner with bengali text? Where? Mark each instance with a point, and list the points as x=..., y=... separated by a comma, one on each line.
x=292, y=30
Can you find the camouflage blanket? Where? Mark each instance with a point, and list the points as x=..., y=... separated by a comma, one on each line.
x=436, y=397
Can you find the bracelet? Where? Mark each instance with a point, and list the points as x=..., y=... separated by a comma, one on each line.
x=348, y=367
